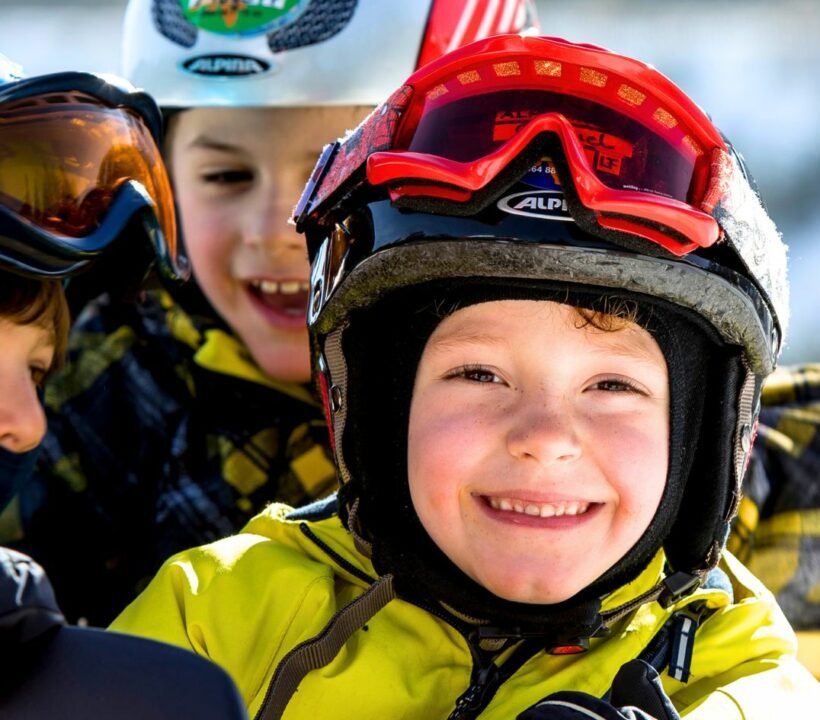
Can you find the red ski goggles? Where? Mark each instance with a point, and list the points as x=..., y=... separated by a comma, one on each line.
x=641, y=157
x=75, y=167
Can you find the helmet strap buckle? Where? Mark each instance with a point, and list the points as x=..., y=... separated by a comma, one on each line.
x=676, y=586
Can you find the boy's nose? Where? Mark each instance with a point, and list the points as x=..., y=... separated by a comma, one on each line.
x=543, y=431
x=268, y=228
x=22, y=419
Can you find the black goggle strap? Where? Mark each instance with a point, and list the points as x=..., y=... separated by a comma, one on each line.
x=108, y=94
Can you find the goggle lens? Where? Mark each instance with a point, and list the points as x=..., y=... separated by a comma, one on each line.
x=63, y=157
x=623, y=153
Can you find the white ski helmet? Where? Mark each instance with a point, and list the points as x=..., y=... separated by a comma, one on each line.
x=287, y=53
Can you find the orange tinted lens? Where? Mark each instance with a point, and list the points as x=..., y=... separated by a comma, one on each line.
x=63, y=158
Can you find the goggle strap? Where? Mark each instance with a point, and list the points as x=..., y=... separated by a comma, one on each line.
x=306, y=201
x=720, y=179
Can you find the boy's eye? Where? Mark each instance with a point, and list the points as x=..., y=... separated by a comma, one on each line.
x=227, y=177
x=616, y=385
x=475, y=373
x=38, y=374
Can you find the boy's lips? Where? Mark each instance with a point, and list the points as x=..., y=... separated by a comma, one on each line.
x=537, y=513
x=555, y=509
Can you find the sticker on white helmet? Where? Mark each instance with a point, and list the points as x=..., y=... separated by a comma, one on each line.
x=249, y=17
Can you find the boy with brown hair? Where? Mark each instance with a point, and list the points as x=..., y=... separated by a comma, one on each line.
x=213, y=377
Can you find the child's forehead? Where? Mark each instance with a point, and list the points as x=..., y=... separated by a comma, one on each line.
x=501, y=322
x=34, y=334
x=476, y=318
x=306, y=128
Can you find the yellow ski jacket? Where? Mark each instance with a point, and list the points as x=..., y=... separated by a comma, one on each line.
x=247, y=600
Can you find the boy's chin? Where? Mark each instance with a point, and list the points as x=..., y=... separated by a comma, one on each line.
x=529, y=590
x=288, y=362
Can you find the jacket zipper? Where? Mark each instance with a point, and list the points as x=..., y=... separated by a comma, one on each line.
x=488, y=678
x=474, y=699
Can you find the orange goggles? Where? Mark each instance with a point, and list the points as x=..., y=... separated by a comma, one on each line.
x=640, y=156
x=78, y=160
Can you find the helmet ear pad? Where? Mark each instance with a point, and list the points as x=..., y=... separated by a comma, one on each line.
x=383, y=346
x=713, y=489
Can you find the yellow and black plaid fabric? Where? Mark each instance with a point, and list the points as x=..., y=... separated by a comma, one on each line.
x=163, y=435
x=777, y=531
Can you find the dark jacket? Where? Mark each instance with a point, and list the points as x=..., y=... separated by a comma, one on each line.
x=49, y=670
x=163, y=434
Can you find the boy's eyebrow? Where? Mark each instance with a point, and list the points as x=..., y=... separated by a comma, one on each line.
x=47, y=341
x=460, y=336
x=207, y=143
x=624, y=344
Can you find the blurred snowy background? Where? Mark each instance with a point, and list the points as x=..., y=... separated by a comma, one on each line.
x=752, y=64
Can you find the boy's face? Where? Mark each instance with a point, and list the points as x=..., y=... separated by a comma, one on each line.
x=538, y=446
x=28, y=351
x=237, y=174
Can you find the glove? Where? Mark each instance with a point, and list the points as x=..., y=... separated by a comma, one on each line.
x=637, y=694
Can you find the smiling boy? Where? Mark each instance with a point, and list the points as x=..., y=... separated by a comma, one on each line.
x=237, y=173
x=541, y=422
x=521, y=445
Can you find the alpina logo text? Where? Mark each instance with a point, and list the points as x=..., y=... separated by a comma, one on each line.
x=544, y=204
x=226, y=65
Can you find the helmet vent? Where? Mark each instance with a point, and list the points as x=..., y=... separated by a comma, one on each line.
x=172, y=23
x=322, y=19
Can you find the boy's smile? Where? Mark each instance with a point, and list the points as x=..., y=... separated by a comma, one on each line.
x=537, y=445
x=530, y=511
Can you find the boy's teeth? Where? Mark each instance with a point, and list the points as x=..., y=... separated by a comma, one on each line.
x=539, y=509
x=286, y=287
x=289, y=288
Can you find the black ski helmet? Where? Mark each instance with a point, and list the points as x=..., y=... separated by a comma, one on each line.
x=521, y=167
